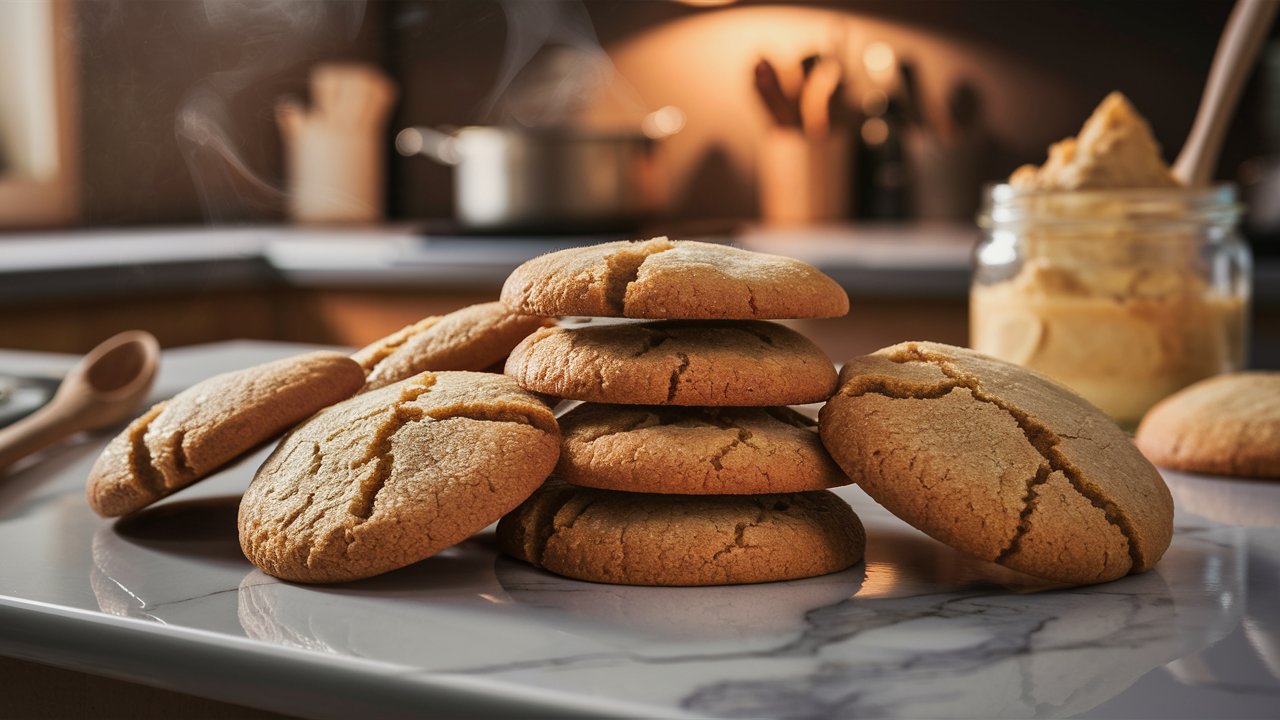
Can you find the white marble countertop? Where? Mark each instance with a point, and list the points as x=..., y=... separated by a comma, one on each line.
x=166, y=599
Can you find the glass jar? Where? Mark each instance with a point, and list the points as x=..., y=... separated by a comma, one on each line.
x=1125, y=296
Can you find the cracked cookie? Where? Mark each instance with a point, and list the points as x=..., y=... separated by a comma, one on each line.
x=672, y=279
x=647, y=539
x=998, y=462
x=473, y=338
x=1226, y=425
x=201, y=429
x=396, y=475
x=744, y=363
x=694, y=451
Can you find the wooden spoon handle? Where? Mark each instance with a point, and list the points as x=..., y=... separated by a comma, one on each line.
x=37, y=431
x=1241, y=41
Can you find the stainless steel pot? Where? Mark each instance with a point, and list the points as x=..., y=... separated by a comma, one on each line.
x=518, y=178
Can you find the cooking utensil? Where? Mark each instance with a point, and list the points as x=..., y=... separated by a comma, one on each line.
x=1241, y=41
x=554, y=179
x=335, y=152
x=818, y=95
x=103, y=389
x=784, y=110
x=808, y=63
x=913, y=104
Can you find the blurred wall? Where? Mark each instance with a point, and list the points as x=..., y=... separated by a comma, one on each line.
x=178, y=96
x=177, y=99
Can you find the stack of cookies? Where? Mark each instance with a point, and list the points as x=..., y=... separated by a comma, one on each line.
x=683, y=465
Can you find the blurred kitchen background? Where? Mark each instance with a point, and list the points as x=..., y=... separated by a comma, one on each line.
x=221, y=169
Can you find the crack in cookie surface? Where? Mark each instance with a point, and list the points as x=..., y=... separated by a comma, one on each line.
x=1024, y=517
x=379, y=451
x=1044, y=440
x=674, y=387
x=741, y=439
x=537, y=534
x=654, y=338
x=178, y=447
x=622, y=268
x=140, y=461
x=371, y=357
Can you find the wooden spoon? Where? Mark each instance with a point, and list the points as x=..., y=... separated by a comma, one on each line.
x=1242, y=39
x=103, y=389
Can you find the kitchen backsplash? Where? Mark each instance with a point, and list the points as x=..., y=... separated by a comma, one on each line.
x=196, y=139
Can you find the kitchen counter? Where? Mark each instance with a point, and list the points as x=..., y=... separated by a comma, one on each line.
x=166, y=599
x=915, y=260
x=871, y=260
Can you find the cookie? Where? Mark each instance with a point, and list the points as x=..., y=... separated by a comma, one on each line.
x=473, y=338
x=395, y=475
x=672, y=279
x=999, y=462
x=1226, y=425
x=201, y=429
x=694, y=451
x=646, y=539
x=748, y=363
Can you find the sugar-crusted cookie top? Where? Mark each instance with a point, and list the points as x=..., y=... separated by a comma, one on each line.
x=473, y=338
x=672, y=279
x=694, y=450
x=646, y=539
x=395, y=475
x=1226, y=425
x=675, y=362
x=998, y=461
x=188, y=437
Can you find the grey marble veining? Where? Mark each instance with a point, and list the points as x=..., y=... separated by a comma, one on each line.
x=918, y=630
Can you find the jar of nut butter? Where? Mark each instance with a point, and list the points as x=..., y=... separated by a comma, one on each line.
x=1124, y=295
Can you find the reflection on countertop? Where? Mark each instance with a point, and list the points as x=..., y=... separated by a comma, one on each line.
x=1245, y=502
x=916, y=630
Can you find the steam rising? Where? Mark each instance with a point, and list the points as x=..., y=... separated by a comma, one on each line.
x=553, y=67
x=553, y=73
x=273, y=36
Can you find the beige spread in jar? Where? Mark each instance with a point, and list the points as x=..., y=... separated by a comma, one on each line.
x=1115, y=149
x=1111, y=297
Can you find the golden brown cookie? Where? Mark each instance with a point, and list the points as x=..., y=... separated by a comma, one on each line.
x=395, y=475
x=201, y=429
x=694, y=451
x=672, y=279
x=999, y=462
x=748, y=363
x=646, y=539
x=473, y=338
x=1226, y=425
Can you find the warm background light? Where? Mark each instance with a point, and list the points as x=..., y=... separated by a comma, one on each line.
x=662, y=122
x=880, y=61
x=703, y=64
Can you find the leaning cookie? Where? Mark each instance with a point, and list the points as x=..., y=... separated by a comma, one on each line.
x=694, y=450
x=999, y=462
x=201, y=429
x=675, y=362
x=672, y=279
x=473, y=338
x=395, y=475
x=1226, y=425
x=645, y=539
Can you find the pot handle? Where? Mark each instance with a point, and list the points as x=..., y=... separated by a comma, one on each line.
x=439, y=146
